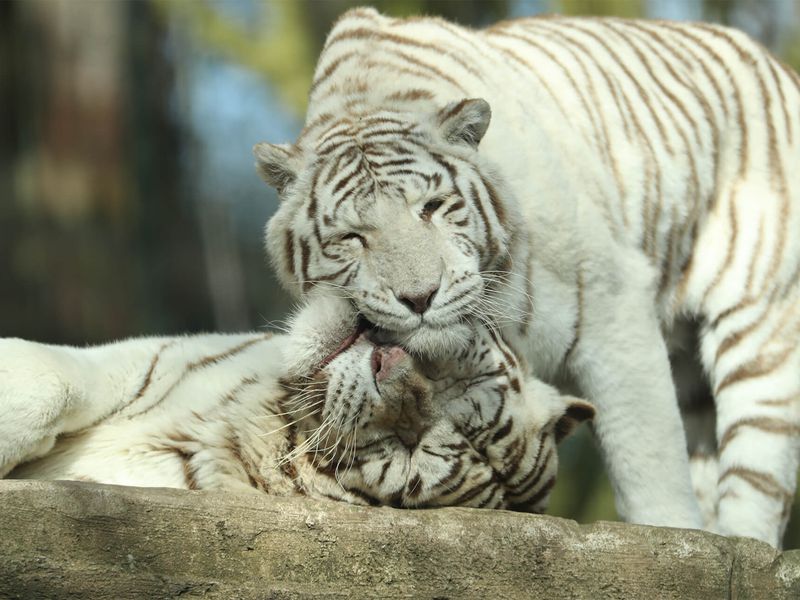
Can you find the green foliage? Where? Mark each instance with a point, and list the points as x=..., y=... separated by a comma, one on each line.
x=599, y=8
x=278, y=45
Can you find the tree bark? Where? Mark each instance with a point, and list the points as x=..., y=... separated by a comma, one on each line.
x=79, y=540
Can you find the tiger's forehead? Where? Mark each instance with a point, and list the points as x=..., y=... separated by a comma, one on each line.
x=357, y=168
x=363, y=130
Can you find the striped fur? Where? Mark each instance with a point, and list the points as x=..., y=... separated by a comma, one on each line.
x=636, y=176
x=225, y=412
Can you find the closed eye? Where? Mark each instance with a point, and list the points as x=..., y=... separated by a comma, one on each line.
x=429, y=208
x=354, y=236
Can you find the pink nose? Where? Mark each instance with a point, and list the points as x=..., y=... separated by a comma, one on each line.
x=384, y=359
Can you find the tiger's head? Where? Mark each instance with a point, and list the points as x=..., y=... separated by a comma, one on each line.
x=398, y=212
x=377, y=425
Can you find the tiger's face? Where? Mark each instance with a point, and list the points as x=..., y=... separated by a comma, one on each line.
x=383, y=427
x=399, y=214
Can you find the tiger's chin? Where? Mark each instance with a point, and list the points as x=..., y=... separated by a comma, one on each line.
x=436, y=342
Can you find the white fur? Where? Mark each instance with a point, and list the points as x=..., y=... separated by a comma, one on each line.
x=616, y=150
x=259, y=412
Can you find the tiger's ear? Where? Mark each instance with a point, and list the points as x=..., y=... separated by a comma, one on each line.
x=465, y=121
x=274, y=164
x=577, y=411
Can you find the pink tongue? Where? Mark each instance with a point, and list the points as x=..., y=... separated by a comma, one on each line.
x=384, y=359
x=349, y=341
x=346, y=343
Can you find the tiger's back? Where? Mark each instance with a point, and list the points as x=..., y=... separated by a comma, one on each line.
x=631, y=103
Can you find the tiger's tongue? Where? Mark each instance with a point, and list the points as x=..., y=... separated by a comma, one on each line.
x=351, y=339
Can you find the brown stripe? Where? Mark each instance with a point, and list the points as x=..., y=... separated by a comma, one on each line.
x=471, y=494
x=693, y=126
x=573, y=84
x=148, y=377
x=444, y=116
x=733, y=339
x=142, y=388
x=643, y=95
x=763, y=482
x=559, y=37
x=288, y=249
x=756, y=254
x=438, y=50
x=732, y=310
x=492, y=249
x=690, y=50
x=765, y=424
x=758, y=367
x=578, y=314
x=318, y=121
x=526, y=486
x=776, y=402
x=254, y=476
x=652, y=174
x=433, y=70
x=539, y=496
x=188, y=470
x=526, y=319
x=202, y=364
x=529, y=69
x=731, y=247
x=411, y=95
x=744, y=156
x=329, y=70
x=305, y=253
x=501, y=345
x=779, y=86
x=497, y=204
x=232, y=395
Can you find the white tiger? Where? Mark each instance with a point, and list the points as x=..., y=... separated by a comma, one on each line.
x=324, y=412
x=636, y=179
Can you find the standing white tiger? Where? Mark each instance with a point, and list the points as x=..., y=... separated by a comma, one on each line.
x=637, y=176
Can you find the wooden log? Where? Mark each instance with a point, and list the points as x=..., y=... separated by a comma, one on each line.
x=79, y=540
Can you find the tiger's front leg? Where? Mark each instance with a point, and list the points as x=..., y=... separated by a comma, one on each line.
x=47, y=390
x=620, y=362
x=38, y=386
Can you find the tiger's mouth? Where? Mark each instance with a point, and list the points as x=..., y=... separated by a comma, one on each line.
x=386, y=352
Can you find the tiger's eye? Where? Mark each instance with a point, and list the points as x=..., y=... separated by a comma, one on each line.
x=354, y=236
x=430, y=207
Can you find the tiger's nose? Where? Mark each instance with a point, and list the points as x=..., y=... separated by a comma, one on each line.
x=420, y=303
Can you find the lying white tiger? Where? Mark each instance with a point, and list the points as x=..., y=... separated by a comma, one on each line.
x=637, y=176
x=325, y=413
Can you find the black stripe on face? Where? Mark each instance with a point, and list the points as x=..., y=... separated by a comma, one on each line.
x=305, y=254
x=288, y=249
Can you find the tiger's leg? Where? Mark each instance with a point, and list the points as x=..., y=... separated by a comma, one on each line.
x=49, y=390
x=705, y=473
x=38, y=385
x=621, y=364
x=754, y=362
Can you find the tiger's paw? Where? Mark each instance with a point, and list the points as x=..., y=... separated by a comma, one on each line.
x=34, y=397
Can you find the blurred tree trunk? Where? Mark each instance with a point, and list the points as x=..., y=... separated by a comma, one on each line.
x=95, y=241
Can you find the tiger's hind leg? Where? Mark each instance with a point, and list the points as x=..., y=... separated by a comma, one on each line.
x=753, y=359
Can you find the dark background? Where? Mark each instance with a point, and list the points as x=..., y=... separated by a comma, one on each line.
x=128, y=200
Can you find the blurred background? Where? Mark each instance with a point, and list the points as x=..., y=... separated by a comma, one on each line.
x=129, y=204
